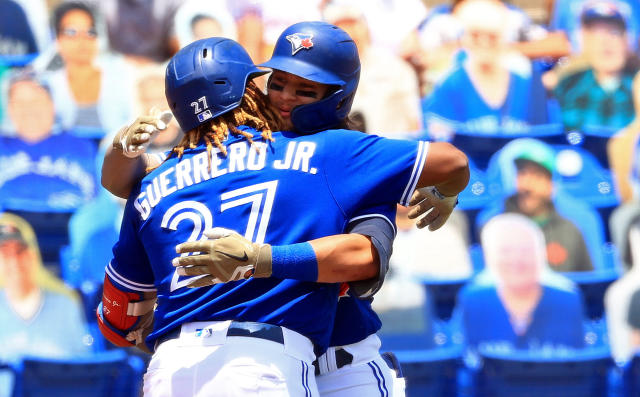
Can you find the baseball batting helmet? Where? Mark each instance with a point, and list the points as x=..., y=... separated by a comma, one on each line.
x=206, y=79
x=324, y=53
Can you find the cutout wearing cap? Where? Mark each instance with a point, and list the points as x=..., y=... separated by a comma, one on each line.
x=9, y=232
x=602, y=11
x=538, y=154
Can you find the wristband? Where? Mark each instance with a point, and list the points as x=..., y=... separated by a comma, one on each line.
x=294, y=261
x=441, y=196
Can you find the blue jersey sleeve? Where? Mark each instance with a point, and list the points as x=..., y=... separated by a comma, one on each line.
x=130, y=268
x=379, y=225
x=381, y=171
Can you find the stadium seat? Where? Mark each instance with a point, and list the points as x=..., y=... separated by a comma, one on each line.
x=595, y=139
x=593, y=286
x=93, y=230
x=109, y=374
x=631, y=377
x=423, y=337
x=480, y=146
x=431, y=372
x=590, y=224
x=575, y=373
x=596, y=333
x=51, y=229
x=443, y=294
x=476, y=194
x=581, y=175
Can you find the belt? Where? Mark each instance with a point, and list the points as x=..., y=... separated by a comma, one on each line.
x=238, y=328
x=343, y=358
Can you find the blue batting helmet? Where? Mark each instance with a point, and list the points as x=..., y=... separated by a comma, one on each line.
x=206, y=79
x=324, y=53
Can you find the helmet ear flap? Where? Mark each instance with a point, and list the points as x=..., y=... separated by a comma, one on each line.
x=322, y=53
x=345, y=100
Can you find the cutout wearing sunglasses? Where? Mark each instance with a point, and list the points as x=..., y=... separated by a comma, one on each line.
x=73, y=33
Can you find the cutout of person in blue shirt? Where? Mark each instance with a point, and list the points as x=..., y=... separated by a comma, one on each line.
x=42, y=171
x=492, y=91
x=516, y=309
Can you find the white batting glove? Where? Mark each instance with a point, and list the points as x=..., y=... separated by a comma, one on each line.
x=132, y=140
x=437, y=207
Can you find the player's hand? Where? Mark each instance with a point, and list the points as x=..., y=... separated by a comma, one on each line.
x=144, y=328
x=428, y=200
x=225, y=256
x=132, y=140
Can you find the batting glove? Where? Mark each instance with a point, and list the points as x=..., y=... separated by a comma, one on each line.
x=437, y=207
x=132, y=140
x=144, y=328
x=225, y=256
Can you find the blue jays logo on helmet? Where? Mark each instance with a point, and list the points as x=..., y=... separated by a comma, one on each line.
x=330, y=57
x=300, y=41
x=207, y=78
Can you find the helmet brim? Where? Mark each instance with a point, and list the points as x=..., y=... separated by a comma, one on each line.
x=256, y=73
x=303, y=69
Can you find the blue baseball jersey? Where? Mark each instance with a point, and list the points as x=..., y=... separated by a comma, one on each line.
x=556, y=321
x=355, y=318
x=294, y=189
x=57, y=174
x=456, y=103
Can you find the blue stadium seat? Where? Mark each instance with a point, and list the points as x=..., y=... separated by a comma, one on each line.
x=581, y=175
x=443, y=294
x=109, y=374
x=431, y=372
x=590, y=225
x=17, y=61
x=593, y=286
x=480, y=146
x=595, y=140
x=476, y=194
x=596, y=332
x=577, y=373
x=51, y=230
x=93, y=230
x=420, y=337
x=631, y=377
x=477, y=257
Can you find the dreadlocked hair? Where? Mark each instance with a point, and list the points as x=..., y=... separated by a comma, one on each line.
x=254, y=111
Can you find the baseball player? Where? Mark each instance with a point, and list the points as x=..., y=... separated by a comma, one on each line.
x=352, y=366
x=292, y=160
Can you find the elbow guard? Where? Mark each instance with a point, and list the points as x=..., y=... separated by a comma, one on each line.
x=121, y=313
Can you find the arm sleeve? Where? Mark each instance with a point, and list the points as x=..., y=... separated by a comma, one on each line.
x=380, y=228
x=130, y=269
x=382, y=171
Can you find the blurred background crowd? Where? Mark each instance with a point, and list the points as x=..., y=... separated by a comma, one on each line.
x=542, y=255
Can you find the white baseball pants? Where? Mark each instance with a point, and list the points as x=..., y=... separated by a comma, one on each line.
x=204, y=360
